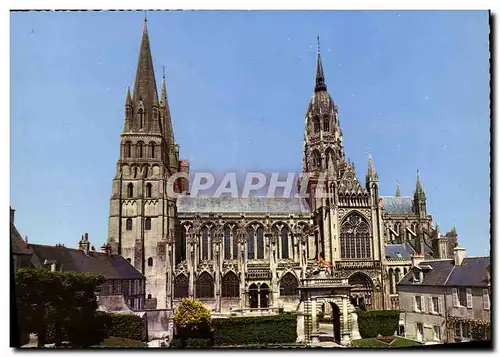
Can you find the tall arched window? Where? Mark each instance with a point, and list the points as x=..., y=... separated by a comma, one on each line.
x=326, y=123
x=152, y=145
x=130, y=190
x=141, y=118
x=316, y=159
x=150, y=262
x=148, y=190
x=180, y=254
x=355, y=240
x=284, y=243
x=316, y=125
x=147, y=224
x=391, y=282
x=329, y=153
x=235, y=245
x=140, y=149
x=230, y=286
x=260, y=243
x=397, y=275
x=205, y=286
x=204, y=243
x=128, y=224
x=251, y=243
x=128, y=149
x=181, y=287
x=227, y=243
x=289, y=286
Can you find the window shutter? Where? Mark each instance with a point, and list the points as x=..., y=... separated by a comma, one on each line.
x=431, y=306
x=469, y=298
x=486, y=299
x=455, y=297
x=422, y=302
x=440, y=303
x=414, y=303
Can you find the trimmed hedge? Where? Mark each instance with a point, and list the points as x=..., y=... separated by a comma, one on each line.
x=125, y=325
x=277, y=329
x=377, y=322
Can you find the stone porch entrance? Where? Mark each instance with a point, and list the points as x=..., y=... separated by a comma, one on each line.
x=315, y=290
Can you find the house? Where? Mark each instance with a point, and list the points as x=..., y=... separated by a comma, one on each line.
x=446, y=300
x=124, y=288
x=21, y=255
x=124, y=285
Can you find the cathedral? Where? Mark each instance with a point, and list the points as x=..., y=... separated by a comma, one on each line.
x=245, y=255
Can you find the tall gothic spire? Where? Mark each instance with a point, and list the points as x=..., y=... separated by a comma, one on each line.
x=145, y=84
x=320, y=77
x=169, y=130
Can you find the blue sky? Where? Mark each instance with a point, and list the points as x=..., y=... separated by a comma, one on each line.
x=412, y=89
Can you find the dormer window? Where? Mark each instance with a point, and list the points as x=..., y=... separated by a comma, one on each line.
x=416, y=276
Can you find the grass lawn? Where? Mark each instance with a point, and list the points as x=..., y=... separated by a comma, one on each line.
x=117, y=342
x=375, y=343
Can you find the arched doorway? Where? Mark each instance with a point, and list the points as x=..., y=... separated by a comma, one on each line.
x=336, y=322
x=361, y=291
x=253, y=296
x=264, y=296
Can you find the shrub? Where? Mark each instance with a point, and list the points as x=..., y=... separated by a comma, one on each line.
x=58, y=306
x=198, y=343
x=277, y=329
x=377, y=322
x=176, y=343
x=125, y=325
x=193, y=320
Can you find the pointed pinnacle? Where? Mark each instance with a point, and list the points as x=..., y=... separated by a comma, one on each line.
x=163, y=99
x=128, y=98
x=398, y=190
x=419, y=183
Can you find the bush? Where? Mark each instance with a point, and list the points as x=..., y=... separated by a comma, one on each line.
x=277, y=329
x=193, y=320
x=377, y=322
x=125, y=325
x=198, y=343
x=176, y=343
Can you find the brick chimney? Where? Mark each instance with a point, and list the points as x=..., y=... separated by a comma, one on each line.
x=458, y=255
x=84, y=244
x=106, y=248
x=12, y=214
x=416, y=259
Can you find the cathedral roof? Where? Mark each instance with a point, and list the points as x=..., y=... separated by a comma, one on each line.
x=392, y=204
x=238, y=204
x=394, y=251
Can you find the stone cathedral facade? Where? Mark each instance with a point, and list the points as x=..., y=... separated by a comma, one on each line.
x=249, y=254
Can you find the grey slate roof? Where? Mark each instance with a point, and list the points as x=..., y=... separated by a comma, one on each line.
x=75, y=260
x=398, y=251
x=19, y=247
x=237, y=204
x=472, y=272
x=393, y=204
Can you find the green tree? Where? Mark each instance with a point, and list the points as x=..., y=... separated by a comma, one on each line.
x=58, y=305
x=193, y=320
